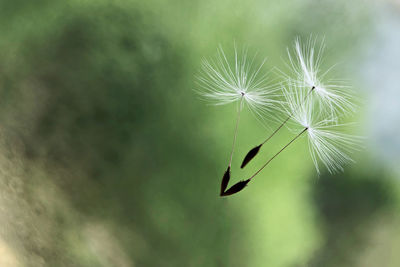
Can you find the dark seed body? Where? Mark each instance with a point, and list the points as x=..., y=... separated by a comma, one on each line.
x=236, y=188
x=252, y=153
x=225, y=180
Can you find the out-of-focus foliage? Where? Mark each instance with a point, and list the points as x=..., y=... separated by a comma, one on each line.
x=108, y=157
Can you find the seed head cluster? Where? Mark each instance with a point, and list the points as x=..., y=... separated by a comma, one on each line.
x=312, y=104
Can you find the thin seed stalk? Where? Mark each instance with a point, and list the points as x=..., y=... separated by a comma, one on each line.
x=236, y=130
x=280, y=151
x=280, y=126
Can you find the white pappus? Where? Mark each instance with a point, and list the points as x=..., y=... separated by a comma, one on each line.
x=224, y=81
x=325, y=141
x=305, y=63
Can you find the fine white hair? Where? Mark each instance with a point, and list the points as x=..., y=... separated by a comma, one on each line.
x=224, y=81
x=305, y=63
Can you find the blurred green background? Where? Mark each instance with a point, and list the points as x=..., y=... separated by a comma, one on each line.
x=108, y=157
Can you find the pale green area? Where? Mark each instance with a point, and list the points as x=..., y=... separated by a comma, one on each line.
x=108, y=157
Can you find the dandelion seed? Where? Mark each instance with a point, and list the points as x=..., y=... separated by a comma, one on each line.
x=223, y=82
x=332, y=95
